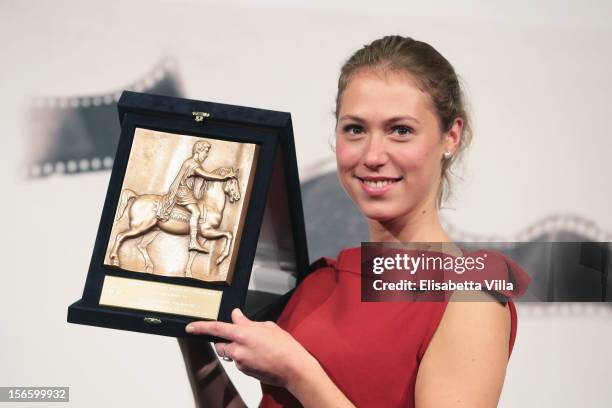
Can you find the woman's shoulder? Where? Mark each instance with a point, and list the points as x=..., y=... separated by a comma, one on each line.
x=511, y=280
x=348, y=258
x=322, y=263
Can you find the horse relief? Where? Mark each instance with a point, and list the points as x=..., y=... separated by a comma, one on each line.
x=193, y=206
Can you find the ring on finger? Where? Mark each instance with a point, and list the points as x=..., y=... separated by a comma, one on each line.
x=225, y=356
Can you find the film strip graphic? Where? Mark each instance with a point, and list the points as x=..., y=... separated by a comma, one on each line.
x=70, y=135
x=550, y=227
x=320, y=185
x=581, y=309
x=557, y=227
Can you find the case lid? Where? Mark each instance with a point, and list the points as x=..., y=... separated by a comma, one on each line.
x=167, y=105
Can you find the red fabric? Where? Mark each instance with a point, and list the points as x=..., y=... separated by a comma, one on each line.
x=371, y=351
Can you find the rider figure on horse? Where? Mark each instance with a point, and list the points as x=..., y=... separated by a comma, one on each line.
x=181, y=191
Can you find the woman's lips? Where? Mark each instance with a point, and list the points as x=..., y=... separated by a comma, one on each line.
x=377, y=186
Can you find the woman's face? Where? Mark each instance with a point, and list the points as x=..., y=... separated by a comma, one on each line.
x=389, y=146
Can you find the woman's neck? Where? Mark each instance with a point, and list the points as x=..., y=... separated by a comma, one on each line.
x=421, y=225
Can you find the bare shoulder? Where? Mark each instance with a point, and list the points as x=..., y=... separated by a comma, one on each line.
x=475, y=307
x=465, y=362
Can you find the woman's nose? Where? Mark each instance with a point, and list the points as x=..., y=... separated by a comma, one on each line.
x=375, y=154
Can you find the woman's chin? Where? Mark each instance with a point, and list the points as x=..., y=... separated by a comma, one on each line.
x=379, y=214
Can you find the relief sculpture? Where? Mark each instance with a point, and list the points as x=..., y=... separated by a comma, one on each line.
x=201, y=211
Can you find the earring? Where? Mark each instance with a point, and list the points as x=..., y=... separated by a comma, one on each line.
x=448, y=155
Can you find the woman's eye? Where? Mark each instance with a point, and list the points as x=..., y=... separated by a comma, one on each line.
x=353, y=129
x=403, y=130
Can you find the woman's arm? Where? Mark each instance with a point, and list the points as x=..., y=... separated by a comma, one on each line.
x=210, y=384
x=313, y=388
x=465, y=362
x=265, y=351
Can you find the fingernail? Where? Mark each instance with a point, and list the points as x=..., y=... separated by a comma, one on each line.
x=239, y=311
x=189, y=328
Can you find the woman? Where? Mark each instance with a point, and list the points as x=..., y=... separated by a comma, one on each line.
x=401, y=123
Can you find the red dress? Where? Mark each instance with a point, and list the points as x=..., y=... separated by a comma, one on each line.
x=370, y=350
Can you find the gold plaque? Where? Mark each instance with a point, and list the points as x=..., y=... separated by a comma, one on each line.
x=182, y=206
x=161, y=297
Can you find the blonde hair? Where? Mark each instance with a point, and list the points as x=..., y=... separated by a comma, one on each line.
x=433, y=73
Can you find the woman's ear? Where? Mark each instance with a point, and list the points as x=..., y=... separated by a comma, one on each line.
x=452, y=137
x=332, y=142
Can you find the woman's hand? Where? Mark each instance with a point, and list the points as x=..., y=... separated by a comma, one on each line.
x=260, y=349
x=265, y=351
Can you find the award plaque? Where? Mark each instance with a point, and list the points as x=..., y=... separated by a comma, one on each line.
x=203, y=214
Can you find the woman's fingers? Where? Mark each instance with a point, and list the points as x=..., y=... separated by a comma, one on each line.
x=224, y=330
x=224, y=350
x=220, y=349
x=219, y=329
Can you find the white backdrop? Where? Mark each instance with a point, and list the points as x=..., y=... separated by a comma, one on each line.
x=538, y=79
